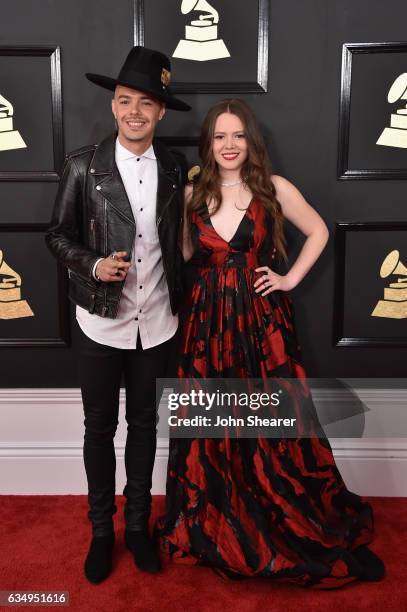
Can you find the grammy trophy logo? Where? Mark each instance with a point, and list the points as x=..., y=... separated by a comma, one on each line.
x=11, y=304
x=396, y=134
x=394, y=304
x=9, y=137
x=201, y=41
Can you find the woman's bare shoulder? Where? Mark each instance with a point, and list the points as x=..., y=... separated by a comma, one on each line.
x=280, y=183
x=285, y=190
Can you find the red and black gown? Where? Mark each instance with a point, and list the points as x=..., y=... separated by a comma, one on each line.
x=266, y=507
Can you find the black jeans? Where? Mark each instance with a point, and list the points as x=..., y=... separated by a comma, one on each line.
x=100, y=371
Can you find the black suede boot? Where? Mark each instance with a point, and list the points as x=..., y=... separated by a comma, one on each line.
x=144, y=550
x=98, y=563
x=373, y=567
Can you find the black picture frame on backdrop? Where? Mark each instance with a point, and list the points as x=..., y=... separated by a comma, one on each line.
x=257, y=84
x=52, y=56
x=41, y=263
x=382, y=161
x=357, y=275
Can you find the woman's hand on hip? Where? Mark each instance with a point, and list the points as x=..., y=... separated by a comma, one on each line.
x=271, y=281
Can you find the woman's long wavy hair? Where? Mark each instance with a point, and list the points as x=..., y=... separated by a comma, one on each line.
x=256, y=171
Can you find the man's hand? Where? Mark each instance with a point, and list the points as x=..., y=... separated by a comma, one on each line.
x=113, y=268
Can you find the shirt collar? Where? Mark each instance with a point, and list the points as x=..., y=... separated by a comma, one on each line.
x=122, y=153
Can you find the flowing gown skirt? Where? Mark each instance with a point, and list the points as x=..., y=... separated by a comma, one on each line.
x=277, y=508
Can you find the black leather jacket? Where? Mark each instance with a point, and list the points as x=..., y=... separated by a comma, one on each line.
x=92, y=217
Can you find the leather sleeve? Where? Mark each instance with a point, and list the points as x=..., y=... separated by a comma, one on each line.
x=63, y=237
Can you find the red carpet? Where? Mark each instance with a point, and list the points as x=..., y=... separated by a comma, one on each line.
x=45, y=538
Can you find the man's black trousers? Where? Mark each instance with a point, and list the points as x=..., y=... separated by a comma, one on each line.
x=100, y=372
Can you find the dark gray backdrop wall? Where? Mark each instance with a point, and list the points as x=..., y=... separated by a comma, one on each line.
x=299, y=115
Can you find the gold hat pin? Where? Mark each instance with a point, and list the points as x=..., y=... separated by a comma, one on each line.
x=165, y=77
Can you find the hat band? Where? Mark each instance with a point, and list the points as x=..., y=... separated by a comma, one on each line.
x=139, y=80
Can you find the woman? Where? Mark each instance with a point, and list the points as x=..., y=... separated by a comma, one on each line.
x=262, y=506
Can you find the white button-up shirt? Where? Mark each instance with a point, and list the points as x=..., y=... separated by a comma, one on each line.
x=144, y=304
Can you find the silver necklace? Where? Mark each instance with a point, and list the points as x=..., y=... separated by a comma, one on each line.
x=225, y=184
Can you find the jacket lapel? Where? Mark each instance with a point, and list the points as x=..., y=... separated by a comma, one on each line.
x=108, y=178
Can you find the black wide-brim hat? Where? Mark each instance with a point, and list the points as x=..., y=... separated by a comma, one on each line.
x=145, y=70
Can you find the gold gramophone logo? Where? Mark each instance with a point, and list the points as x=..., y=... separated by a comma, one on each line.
x=9, y=137
x=201, y=41
x=11, y=304
x=396, y=134
x=394, y=304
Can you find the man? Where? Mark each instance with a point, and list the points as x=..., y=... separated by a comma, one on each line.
x=116, y=226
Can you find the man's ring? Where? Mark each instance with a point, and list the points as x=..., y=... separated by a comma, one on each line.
x=113, y=255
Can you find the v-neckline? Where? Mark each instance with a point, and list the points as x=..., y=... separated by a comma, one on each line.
x=238, y=226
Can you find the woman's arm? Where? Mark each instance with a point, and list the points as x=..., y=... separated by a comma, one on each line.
x=187, y=248
x=297, y=210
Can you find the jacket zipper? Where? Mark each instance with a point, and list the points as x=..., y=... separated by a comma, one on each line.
x=92, y=233
x=105, y=225
x=104, y=308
